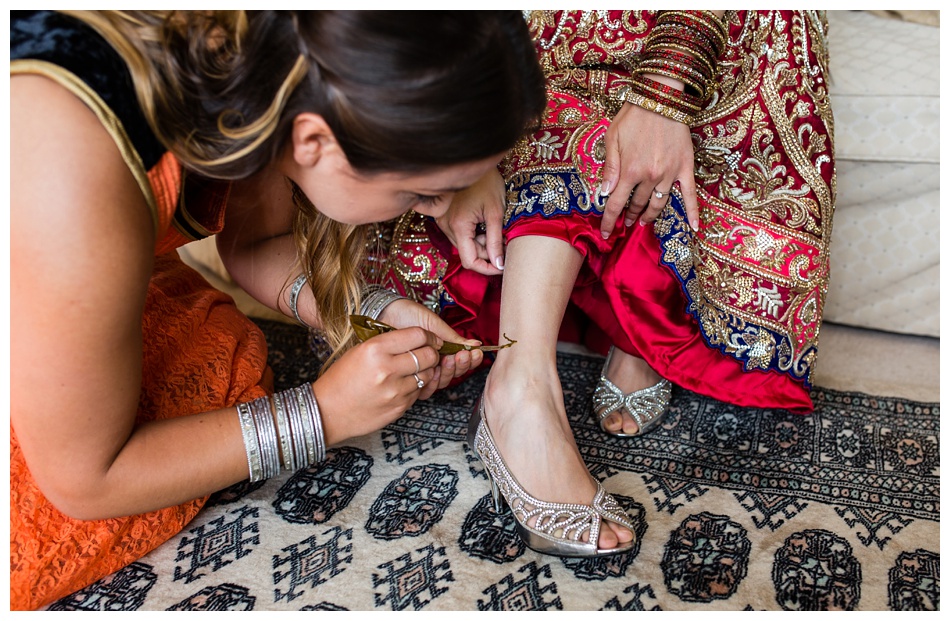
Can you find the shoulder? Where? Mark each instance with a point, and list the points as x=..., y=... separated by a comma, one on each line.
x=75, y=56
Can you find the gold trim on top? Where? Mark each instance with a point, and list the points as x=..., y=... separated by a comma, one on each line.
x=111, y=123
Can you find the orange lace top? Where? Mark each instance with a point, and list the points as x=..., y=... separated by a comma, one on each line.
x=199, y=352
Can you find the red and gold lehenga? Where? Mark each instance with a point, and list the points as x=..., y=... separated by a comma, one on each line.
x=732, y=311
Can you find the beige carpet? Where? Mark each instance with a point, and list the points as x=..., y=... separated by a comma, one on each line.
x=735, y=509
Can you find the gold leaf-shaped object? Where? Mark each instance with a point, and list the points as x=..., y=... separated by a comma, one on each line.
x=367, y=327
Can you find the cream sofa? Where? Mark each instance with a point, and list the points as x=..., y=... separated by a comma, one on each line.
x=885, y=253
x=885, y=249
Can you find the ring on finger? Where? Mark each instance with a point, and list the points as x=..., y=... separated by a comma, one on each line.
x=659, y=194
x=416, y=360
x=419, y=382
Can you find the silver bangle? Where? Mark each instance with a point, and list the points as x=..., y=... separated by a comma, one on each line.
x=296, y=429
x=310, y=432
x=267, y=435
x=251, y=444
x=375, y=298
x=294, y=294
x=286, y=450
x=313, y=409
x=297, y=434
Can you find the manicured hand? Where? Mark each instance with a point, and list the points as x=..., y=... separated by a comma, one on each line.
x=646, y=153
x=374, y=383
x=404, y=313
x=481, y=248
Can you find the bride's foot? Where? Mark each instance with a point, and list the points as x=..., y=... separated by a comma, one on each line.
x=644, y=392
x=529, y=426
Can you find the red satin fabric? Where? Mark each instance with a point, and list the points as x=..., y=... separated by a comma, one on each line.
x=630, y=300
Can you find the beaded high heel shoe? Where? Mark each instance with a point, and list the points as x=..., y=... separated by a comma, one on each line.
x=558, y=527
x=647, y=406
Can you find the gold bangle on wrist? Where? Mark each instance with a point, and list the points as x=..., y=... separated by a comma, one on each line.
x=654, y=106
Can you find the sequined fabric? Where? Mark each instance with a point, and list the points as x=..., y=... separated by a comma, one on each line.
x=403, y=257
x=752, y=281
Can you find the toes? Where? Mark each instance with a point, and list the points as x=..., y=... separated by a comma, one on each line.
x=614, y=422
x=630, y=425
x=613, y=535
x=622, y=533
x=607, y=539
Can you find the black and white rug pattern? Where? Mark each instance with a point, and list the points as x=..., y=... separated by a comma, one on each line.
x=735, y=508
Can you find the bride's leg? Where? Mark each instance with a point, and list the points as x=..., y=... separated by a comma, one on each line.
x=629, y=373
x=523, y=396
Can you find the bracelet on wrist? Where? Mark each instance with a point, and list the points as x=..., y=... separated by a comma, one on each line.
x=295, y=441
x=375, y=298
x=294, y=294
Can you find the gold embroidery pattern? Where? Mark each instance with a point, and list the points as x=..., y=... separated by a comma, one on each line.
x=401, y=257
x=756, y=274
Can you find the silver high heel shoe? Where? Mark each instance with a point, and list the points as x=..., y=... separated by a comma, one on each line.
x=647, y=406
x=558, y=527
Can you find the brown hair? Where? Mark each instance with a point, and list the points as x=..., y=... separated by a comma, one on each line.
x=401, y=90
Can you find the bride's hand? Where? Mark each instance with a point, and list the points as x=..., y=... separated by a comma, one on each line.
x=646, y=154
x=483, y=204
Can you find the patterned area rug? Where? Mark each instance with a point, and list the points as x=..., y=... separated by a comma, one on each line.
x=736, y=509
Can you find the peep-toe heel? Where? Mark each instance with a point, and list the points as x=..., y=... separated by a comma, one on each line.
x=648, y=406
x=558, y=527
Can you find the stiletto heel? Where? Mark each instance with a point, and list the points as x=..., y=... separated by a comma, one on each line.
x=558, y=527
x=647, y=406
x=496, y=496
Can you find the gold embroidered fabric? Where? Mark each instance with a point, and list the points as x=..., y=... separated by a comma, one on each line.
x=756, y=274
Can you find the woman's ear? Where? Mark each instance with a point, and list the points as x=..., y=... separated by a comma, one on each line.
x=312, y=138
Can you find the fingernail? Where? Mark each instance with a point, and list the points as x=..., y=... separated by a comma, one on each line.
x=606, y=187
x=642, y=223
x=605, y=234
x=499, y=263
x=628, y=222
x=695, y=224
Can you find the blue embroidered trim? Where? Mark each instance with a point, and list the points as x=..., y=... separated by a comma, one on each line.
x=679, y=233
x=555, y=194
x=551, y=194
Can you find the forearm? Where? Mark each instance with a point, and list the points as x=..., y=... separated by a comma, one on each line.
x=165, y=463
x=169, y=462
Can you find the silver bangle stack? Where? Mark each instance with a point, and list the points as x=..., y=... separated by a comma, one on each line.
x=375, y=298
x=295, y=441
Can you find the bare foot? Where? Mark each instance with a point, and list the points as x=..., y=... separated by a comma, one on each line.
x=629, y=374
x=525, y=413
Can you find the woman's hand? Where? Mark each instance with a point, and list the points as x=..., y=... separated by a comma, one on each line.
x=374, y=383
x=482, y=203
x=405, y=313
x=646, y=153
